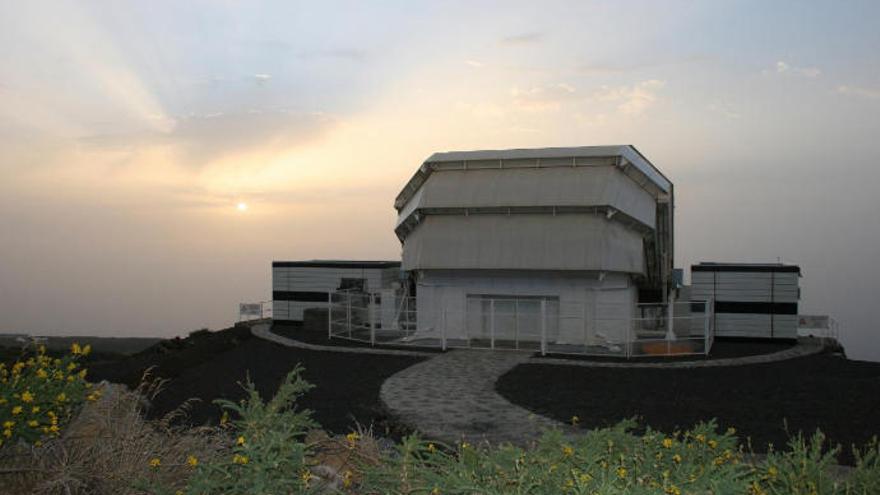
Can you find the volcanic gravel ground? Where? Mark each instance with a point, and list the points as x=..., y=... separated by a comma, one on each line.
x=838, y=396
x=346, y=385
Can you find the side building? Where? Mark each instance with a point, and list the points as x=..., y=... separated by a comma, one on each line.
x=754, y=300
x=556, y=241
x=299, y=285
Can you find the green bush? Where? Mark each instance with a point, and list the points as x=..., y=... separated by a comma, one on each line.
x=39, y=394
x=267, y=449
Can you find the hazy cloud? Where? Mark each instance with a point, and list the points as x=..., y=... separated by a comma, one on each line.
x=473, y=63
x=860, y=91
x=523, y=38
x=543, y=98
x=785, y=68
x=723, y=109
x=200, y=139
x=632, y=100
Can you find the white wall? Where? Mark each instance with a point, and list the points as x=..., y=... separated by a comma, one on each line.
x=587, y=306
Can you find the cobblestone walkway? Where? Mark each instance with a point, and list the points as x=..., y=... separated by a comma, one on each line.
x=452, y=397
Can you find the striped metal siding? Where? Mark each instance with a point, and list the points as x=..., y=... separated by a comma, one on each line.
x=296, y=288
x=749, y=303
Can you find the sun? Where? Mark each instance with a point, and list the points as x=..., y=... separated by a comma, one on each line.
x=242, y=206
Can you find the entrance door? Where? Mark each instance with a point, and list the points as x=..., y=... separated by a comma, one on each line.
x=512, y=322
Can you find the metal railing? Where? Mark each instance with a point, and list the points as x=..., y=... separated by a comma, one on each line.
x=254, y=311
x=540, y=324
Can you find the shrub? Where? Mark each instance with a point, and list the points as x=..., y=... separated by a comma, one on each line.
x=607, y=461
x=266, y=452
x=39, y=394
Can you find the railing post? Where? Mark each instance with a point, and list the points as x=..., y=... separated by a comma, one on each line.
x=706, y=320
x=348, y=314
x=543, y=327
x=329, y=315
x=443, y=330
x=371, y=315
x=492, y=323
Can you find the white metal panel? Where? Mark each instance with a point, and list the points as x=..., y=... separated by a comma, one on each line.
x=524, y=242
x=568, y=186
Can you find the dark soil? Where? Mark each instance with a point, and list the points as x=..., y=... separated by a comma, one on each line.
x=209, y=367
x=825, y=391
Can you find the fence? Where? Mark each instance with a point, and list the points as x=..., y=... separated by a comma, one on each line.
x=541, y=324
x=254, y=311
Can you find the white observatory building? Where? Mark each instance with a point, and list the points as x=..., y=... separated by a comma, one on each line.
x=499, y=238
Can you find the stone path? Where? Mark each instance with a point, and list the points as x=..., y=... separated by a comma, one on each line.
x=452, y=397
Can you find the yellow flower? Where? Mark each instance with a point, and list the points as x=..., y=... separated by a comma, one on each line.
x=239, y=459
x=701, y=438
x=7, y=433
x=575, y=420
x=712, y=444
x=585, y=478
x=435, y=491
x=431, y=448
x=224, y=418
x=87, y=350
x=673, y=490
x=76, y=350
x=352, y=439
x=306, y=476
x=567, y=451
x=41, y=374
x=621, y=472
x=61, y=397
x=192, y=461
x=154, y=462
x=465, y=445
x=667, y=443
x=239, y=441
x=772, y=472
x=676, y=458
x=8, y=424
x=346, y=479
x=16, y=410
x=54, y=429
x=71, y=366
x=33, y=423
x=731, y=430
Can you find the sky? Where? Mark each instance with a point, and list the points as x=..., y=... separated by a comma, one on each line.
x=130, y=132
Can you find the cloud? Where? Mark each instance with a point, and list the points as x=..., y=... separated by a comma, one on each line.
x=723, y=109
x=473, y=63
x=632, y=100
x=860, y=91
x=543, y=98
x=198, y=140
x=808, y=72
x=523, y=38
x=262, y=79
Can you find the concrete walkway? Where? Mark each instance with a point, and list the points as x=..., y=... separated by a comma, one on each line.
x=452, y=397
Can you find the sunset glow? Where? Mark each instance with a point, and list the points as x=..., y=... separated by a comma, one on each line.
x=764, y=116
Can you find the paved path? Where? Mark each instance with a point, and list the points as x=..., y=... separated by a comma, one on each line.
x=452, y=397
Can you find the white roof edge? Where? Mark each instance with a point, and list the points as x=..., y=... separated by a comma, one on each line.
x=627, y=151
